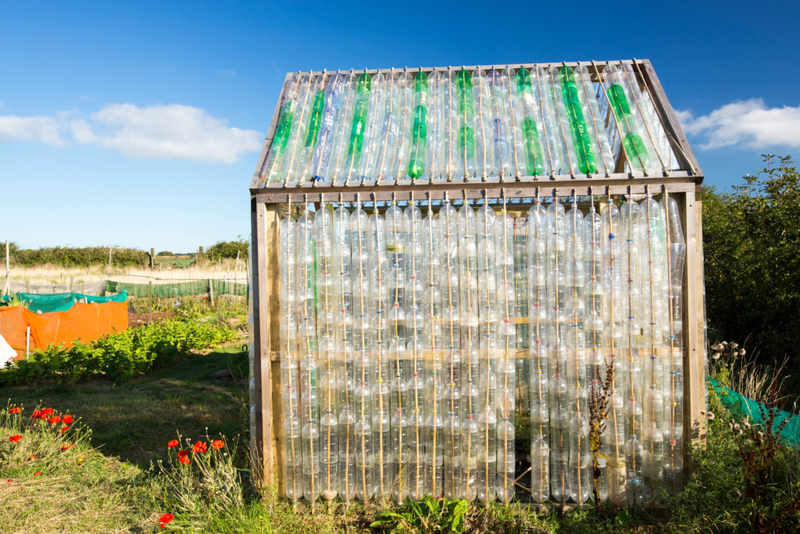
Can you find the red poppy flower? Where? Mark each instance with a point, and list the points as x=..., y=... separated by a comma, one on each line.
x=165, y=519
x=15, y=410
x=15, y=438
x=37, y=414
x=37, y=473
x=217, y=444
x=199, y=447
x=184, y=460
x=55, y=419
x=67, y=419
x=47, y=411
x=32, y=457
x=63, y=429
x=172, y=444
x=182, y=454
x=67, y=446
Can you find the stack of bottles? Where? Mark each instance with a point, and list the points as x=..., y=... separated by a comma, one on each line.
x=412, y=340
x=456, y=123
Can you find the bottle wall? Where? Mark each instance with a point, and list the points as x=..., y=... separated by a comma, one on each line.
x=422, y=346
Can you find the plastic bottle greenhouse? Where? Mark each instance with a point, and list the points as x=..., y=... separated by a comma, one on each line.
x=482, y=282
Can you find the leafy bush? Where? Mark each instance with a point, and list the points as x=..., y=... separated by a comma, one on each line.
x=229, y=249
x=75, y=257
x=165, y=253
x=751, y=237
x=119, y=356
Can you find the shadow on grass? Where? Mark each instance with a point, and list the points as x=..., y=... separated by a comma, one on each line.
x=135, y=420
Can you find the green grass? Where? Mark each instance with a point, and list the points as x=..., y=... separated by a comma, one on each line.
x=135, y=420
x=120, y=477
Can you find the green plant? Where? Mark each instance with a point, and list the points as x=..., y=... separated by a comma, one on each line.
x=202, y=480
x=751, y=236
x=429, y=515
x=120, y=356
x=229, y=249
x=75, y=256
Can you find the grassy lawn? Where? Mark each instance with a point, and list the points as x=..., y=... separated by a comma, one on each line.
x=135, y=420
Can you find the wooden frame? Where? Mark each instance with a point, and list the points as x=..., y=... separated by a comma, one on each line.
x=268, y=201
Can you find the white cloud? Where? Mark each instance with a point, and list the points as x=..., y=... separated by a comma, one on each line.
x=166, y=132
x=42, y=129
x=749, y=123
x=154, y=132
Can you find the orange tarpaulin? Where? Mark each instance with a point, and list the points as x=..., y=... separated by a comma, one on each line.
x=86, y=322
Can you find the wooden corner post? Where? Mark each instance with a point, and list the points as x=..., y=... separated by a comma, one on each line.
x=265, y=320
x=694, y=368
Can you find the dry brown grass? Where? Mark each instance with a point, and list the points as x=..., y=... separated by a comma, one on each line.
x=103, y=500
x=51, y=274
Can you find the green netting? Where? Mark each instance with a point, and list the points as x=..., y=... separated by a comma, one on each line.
x=752, y=409
x=178, y=289
x=61, y=301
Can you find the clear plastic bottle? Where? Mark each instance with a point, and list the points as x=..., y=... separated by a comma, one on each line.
x=489, y=319
x=367, y=165
x=613, y=306
x=593, y=327
x=506, y=366
x=451, y=316
x=563, y=137
x=396, y=242
x=272, y=165
x=406, y=102
x=379, y=302
x=499, y=125
x=364, y=351
x=341, y=131
x=299, y=127
x=309, y=366
x=290, y=377
x=415, y=324
x=558, y=387
x=330, y=119
x=433, y=353
x=434, y=158
x=632, y=372
x=470, y=342
x=329, y=380
x=450, y=106
x=575, y=314
x=344, y=354
x=482, y=122
x=390, y=128
x=675, y=247
x=514, y=124
x=539, y=361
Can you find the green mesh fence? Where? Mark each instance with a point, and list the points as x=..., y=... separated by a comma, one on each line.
x=752, y=409
x=62, y=301
x=179, y=289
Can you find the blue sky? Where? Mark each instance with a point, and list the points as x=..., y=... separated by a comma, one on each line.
x=139, y=123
